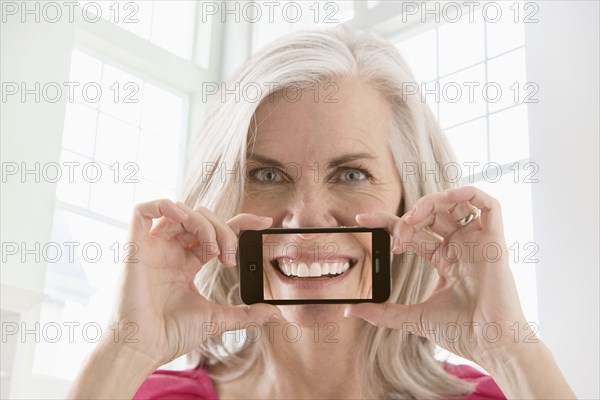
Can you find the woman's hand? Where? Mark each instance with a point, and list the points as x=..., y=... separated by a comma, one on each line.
x=474, y=310
x=158, y=299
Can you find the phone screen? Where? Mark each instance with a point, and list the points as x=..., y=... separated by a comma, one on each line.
x=317, y=266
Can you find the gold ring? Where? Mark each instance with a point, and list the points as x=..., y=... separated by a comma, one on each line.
x=472, y=216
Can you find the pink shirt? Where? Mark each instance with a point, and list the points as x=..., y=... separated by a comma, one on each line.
x=195, y=384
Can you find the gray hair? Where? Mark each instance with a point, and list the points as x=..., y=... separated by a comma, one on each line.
x=402, y=365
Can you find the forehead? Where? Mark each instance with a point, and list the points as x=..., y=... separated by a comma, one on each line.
x=334, y=116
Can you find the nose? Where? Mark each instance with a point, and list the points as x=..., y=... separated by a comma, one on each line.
x=310, y=210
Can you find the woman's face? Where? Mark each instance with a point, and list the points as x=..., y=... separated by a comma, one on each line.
x=317, y=163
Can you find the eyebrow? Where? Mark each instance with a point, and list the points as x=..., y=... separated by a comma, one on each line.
x=265, y=160
x=336, y=162
x=343, y=159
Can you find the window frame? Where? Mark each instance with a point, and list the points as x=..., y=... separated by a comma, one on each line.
x=114, y=45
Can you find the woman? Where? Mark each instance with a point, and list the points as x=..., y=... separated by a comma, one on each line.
x=335, y=108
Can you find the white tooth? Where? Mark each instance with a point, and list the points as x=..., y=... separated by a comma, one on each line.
x=294, y=269
x=333, y=268
x=315, y=269
x=302, y=270
x=325, y=269
x=287, y=269
x=346, y=266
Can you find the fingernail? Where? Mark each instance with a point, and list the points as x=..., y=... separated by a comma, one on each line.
x=274, y=318
x=411, y=213
x=396, y=244
x=181, y=213
x=231, y=259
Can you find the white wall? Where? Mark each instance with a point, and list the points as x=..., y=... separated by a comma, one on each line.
x=31, y=133
x=562, y=58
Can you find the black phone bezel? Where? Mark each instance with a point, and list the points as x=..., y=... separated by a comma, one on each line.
x=251, y=282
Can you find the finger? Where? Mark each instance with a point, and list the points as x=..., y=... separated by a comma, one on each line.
x=145, y=213
x=491, y=212
x=428, y=209
x=405, y=237
x=422, y=242
x=395, y=225
x=389, y=315
x=166, y=229
x=186, y=239
x=459, y=210
x=425, y=209
x=442, y=284
x=444, y=224
x=225, y=237
x=245, y=222
x=237, y=317
x=197, y=224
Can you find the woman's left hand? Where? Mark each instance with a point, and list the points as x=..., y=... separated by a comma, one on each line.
x=474, y=311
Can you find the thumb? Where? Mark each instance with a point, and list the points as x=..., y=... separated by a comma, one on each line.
x=242, y=222
x=389, y=315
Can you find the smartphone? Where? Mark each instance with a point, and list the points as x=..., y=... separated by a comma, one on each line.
x=314, y=265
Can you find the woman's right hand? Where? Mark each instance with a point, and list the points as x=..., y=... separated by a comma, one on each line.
x=158, y=299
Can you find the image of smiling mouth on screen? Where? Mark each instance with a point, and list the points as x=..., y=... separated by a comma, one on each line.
x=320, y=266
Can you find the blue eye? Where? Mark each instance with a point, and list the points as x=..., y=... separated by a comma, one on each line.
x=353, y=175
x=265, y=175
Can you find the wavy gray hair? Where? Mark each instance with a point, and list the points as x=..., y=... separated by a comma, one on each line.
x=402, y=364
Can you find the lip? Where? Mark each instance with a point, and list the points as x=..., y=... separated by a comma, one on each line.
x=313, y=283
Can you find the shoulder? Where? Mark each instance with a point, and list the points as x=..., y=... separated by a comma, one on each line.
x=486, y=387
x=190, y=384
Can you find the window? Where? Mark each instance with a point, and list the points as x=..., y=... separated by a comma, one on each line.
x=168, y=24
x=290, y=16
x=123, y=143
x=472, y=73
